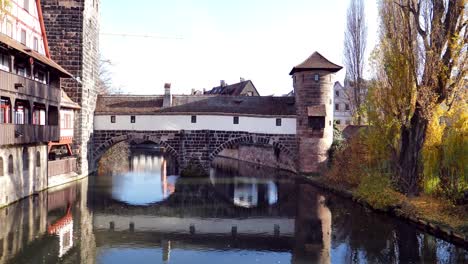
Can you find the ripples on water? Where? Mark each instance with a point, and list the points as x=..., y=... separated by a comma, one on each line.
x=242, y=213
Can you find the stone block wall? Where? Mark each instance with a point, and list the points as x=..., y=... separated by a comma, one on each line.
x=313, y=145
x=22, y=182
x=199, y=146
x=72, y=28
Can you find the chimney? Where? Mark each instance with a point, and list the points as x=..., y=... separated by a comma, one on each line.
x=167, y=101
x=222, y=83
x=242, y=79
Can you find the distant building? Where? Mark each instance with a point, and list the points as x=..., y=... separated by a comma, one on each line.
x=245, y=88
x=342, y=107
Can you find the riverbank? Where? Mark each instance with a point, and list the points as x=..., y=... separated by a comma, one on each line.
x=429, y=214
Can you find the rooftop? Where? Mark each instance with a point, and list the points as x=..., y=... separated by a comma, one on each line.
x=316, y=62
x=196, y=104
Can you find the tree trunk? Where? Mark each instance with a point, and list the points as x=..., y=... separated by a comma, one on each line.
x=412, y=141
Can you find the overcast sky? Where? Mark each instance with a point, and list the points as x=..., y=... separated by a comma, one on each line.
x=204, y=41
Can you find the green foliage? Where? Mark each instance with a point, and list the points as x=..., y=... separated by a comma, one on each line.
x=337, y=145
x=376, y=189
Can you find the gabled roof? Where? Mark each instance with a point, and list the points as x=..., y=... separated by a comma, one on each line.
x=233, y=89
x=316, y=62
x=13, y=44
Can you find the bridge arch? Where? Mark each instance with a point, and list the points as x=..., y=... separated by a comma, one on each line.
x=255, y=140
x=103, y=147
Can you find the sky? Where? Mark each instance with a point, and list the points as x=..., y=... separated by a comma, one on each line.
x=200, y=42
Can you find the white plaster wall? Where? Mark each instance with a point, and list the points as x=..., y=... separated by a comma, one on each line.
x=204, y=122
x=22, y=183
x=24, y=20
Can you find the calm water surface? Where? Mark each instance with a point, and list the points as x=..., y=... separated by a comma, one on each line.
x=242, y=213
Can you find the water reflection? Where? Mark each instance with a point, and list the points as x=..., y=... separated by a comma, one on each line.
x=146, y=182
x=207, y=221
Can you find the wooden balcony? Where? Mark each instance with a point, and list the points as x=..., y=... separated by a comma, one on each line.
x=25, y=87
x=63, y=166
x=11, y=134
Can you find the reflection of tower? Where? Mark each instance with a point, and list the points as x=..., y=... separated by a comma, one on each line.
x=313, y=89
x=87, y=239
x=312, y=227
x=166, y=250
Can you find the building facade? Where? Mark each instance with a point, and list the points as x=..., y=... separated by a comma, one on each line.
x=73, y=36
x=342, y=106
x=242, y=88
x=29, y=102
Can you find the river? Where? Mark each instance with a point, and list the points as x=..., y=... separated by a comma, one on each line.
x=241, y=213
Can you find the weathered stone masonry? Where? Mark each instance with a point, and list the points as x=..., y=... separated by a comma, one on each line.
x=73, y=33
x=195, y=146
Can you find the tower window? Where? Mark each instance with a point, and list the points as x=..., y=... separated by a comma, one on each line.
x=316, y=77
x=316, y=122
x=194, y=119
x=10, y=165
x=337, y=107
x=132, y=119
x=235, y=120
x=278, y=121
x=38, y=159
x=112, y=119
x=337, y=93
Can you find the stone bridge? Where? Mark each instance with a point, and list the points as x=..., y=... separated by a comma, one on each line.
x=202, y=146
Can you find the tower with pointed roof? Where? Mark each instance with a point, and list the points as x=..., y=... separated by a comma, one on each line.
x=313, y=89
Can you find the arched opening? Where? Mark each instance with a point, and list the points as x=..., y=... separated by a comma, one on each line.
x=38, y=159
x=2, y=173
x=10, y=165
x=25, y=160
x=257, y=150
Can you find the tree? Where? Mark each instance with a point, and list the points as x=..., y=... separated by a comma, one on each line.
x=421, y=60
x=4, y=5
x=104, y=82
x=354, y=50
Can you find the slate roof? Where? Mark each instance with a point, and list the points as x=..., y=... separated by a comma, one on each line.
x=316, y=62
x=232, y=89
x=196, y=104
x=11, y=43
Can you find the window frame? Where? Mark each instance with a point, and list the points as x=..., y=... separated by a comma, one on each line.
x=279, y=122
x=113, y=119
x=235, y=120
x=133, y=119
x=193, y=119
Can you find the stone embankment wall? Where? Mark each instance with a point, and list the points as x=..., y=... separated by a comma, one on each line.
x=25, y=175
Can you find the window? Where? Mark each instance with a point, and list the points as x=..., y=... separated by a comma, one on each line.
x=316, y=122
x=53, y=116
x=337, y=93
x=66, y=121
x=1, y=167
x=235, y=120
x=21, y=71
x=21, y=114
x=112, y=119
x=5, y=109
x=337, y=107
x=25, y=160
x=132, y=119
x=36, y=44
x=10, y=165
x=347, y=107
x=4, y=62
x=39, y=115
x=23, y=37
x=9, y=29
x=338, y=122
x=26, y=5
x=316, y=77
x=38, y=159
x=278, y=121
x=194, y=119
